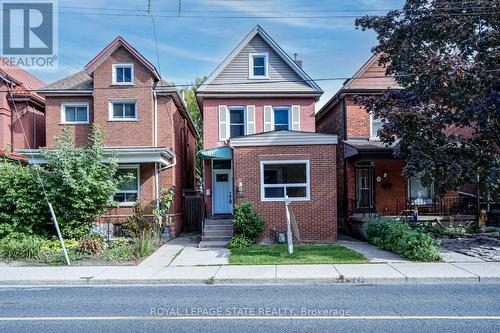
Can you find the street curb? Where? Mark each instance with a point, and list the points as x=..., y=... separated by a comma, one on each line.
x=215, y=281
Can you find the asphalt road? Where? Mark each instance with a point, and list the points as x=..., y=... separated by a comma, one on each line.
x=451, y=307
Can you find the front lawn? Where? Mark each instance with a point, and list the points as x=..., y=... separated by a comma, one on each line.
x=302, y=254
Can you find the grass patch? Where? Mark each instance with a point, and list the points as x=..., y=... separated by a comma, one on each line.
x=302, y=254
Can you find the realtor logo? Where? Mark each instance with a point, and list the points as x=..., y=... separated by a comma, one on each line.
x=29, y=32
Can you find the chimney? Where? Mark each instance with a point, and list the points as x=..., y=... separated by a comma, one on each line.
x=297, y=61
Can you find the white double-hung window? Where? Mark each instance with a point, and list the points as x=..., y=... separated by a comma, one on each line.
x=258, y=65
x=375, y=125
x=284, y=178
x=75, y=113
x=123, y=74
x=123, y=110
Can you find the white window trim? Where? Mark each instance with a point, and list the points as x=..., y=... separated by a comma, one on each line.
x=130, y=203
x=266, y=65
x=228, y=116
x=373, y=136
x=289, y=108
x=307, y=183
x=76, y=104
x=110, y=109
x=127, y=65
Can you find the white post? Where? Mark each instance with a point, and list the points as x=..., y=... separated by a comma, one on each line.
x=59, y=233
x=289, y=239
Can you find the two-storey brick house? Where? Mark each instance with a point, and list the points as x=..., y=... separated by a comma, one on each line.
x=260, y=143
x=369, y=177
x=144, y=120
x=22, y=111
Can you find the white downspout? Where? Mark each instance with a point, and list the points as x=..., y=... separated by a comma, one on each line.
x=157, y=185
x=155, y=127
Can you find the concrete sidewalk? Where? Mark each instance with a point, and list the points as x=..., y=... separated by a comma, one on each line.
x=224, y=274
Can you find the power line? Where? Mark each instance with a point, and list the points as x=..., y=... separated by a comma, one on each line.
x=155, y=37
x=264, y=82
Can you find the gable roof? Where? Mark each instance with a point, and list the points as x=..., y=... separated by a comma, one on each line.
x=369, y=79
x=77, y=81
x=25, y=83
x=371, y=76
x=285, y=75
x=112, y=47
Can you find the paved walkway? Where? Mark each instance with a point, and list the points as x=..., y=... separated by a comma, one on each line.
x=225, y=274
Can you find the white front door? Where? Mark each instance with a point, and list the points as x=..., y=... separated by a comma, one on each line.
x=223, y=201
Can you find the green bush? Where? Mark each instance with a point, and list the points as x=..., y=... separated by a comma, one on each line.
x=23, y=207
x=57, y=257
x=247, y=222
x=119, y=242
x=400, y=238
x=27, y=247
x=144, y=247
x=54, y=245
x=117, y=253
x=137, y=226
x=239, y=242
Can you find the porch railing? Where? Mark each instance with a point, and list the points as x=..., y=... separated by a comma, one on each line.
x=447, y=206
x=362, y=212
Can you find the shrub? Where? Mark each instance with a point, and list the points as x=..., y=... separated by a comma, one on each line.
x=120, y=242
x=239, y=242
x=26, y=247
x=90, y=245
x=247, y=222
x=137, y=226
x=144, y=247
x=57, y=258
x=116, y=253
x=22, y=205
x=54, y=245
x=400, y=238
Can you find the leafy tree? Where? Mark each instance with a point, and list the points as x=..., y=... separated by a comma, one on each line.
x=446, y=121
x=78, y=184
x=23, y=208
x=194, y=111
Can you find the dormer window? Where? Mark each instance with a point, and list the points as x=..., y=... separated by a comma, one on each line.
x=258, y=66
x=123, y=74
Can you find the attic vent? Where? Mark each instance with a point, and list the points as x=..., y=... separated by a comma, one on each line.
x=297, y=61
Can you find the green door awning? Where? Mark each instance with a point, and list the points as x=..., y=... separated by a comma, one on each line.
x=220, y=152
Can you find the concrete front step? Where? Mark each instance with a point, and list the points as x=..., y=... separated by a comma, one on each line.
x=218, y=222
x=218, y=228
x=213, y=244
x=216, y=238
x=227, y=233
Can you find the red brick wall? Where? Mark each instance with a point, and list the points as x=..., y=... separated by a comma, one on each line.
x=332, y=123
x=53, y=126
x=124, y=133
x=358, y=120
x=317, y=218
x=211, y=115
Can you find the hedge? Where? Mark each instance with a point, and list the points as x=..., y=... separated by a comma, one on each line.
x=400, y=238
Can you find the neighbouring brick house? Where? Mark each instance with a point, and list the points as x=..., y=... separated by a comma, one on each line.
x=145, y=123
x=260, y=141
x=17, y=93
x=369, y=178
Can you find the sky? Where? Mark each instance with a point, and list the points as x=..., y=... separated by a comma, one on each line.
x=321, y=32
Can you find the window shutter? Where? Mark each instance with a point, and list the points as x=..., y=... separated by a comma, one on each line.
x=295, y=117
x=268, y=118
x=223, y=122
x=250, y=119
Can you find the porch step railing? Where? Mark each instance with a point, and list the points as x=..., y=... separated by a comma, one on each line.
x=362, y=212
x=447, y=206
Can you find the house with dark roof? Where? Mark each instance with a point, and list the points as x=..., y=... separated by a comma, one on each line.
x=22, y=111
x=260, y=143
x=145, y=123
x=369, y=177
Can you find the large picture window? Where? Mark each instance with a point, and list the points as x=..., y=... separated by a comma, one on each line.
x=128, y=187
x=280, y=178
x=419, y=194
